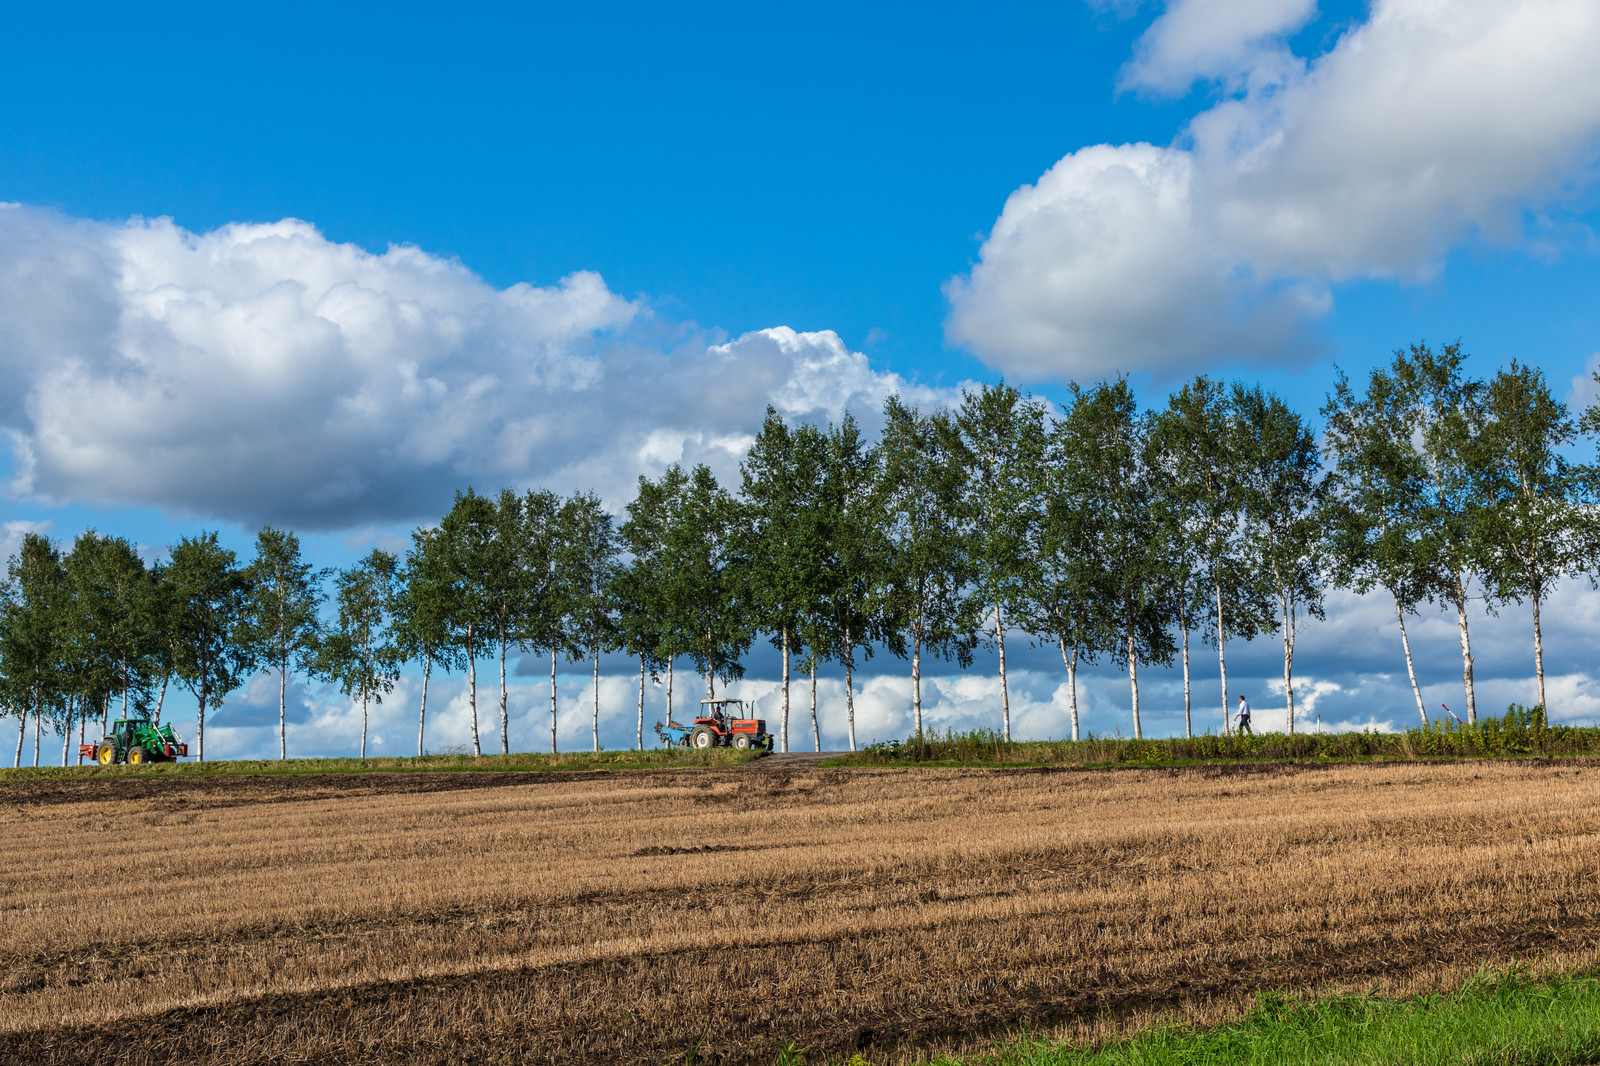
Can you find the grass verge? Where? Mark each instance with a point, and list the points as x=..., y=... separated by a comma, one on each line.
x=1521, y=732
x=656, y=759
x=1504, y=1019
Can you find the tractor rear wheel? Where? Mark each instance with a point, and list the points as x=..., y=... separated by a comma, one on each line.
x=106, y=753
x=702, y=737
x=741, y=741
x=136, y=755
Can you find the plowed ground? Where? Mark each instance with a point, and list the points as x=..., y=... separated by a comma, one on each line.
x=651, y=916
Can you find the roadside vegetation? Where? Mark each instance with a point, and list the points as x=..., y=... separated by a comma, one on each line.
x=652, y=759
x=1520, y=732
x=1502, y=1019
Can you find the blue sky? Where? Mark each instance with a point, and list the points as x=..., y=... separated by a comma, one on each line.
x=320, y=265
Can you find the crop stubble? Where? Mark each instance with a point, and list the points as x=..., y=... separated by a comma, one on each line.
x=637, y=916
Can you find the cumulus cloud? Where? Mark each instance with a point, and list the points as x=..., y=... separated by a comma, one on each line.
x=1425, y=125
x=1224, y=39
x=261, y=372
x=11, y=535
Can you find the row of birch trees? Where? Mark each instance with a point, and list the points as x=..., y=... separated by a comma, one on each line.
x=1112, y=533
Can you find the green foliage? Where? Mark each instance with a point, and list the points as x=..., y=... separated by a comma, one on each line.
x=1506, y=1019
x=207, y=598
x=999, y=446
x=705, y=580
x=359, y=653
x=1520, y=732
x=280, y=627
x=926, y=568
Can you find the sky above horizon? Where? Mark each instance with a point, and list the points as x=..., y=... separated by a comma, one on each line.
x=323, y=266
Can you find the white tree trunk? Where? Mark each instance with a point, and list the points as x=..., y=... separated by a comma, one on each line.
x=283, y=699
x=505, y=719
x=785, y=729
x=1466, y=652
x=552, y=701
x=1188, y=726
x=422, y=715
x=916, y=675
x=1222, y=658
x=1538, y=657
x=849, y=686
x=1287, y=608
x=1133, y=684
x=597, y=695
x=200, y=729
x=641, y=702
x=363, y=721
x=1005, y=695
x=22, y=733
x=66, y=732
x=472, y=696
x=162, y=699
x=1072, y=680
x=669, y=690
x=1411, y=670
x=816, y=734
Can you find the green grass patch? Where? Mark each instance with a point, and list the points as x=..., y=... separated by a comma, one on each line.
x=1520, y=732
x=656, y=759
x=1506, y=1019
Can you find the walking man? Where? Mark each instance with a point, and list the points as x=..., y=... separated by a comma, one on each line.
x=1244, y=717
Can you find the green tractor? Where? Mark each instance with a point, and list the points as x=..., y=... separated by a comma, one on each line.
x=135, y=741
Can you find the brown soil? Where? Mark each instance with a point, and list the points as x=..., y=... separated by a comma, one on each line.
x=655, y=915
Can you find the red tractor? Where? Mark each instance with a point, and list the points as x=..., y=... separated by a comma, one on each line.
x=721, y=724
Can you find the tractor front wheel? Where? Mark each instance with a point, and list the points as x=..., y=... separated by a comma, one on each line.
x=702, y=737
x=741, y=741
x=106, y=753
x=136, y=755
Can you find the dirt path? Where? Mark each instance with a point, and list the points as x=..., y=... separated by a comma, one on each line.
x=791, y=760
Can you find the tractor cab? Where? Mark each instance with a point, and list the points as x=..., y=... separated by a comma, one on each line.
x=123, y=730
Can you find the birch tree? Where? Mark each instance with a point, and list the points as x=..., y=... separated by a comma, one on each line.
x=1534, y=525
x=209, y=597
x=590, y=577
x=1446, y=417
x=1128, y=553
x=510, y=578
x=1068, y=604
x=30, y=637
x=1002, y=440
x=782, y=479
x=545, y=550
x=1282, y=499
x=1372, y=520
x=639, y=587
x=360, y=653
x=280, y=627
x=926, y=570
x=1195, y=451
x=465, y=557
x=422, y=615
x=706, y=580
x=856, y=583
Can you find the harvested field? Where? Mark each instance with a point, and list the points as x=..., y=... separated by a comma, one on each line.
x=638, y=917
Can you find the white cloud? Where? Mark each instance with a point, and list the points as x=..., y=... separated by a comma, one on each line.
x=1421, y=127
x=1217, y=39
x=265, y=373
x=11, y=534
